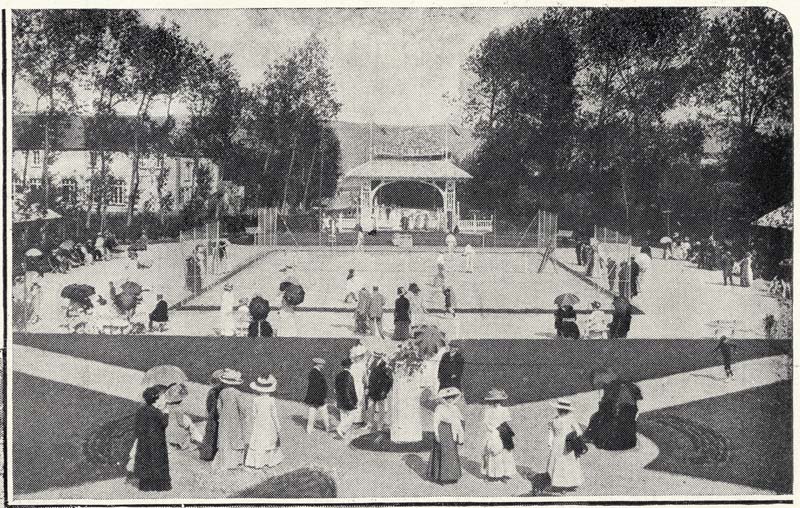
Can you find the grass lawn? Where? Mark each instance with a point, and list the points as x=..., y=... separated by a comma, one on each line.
x=743, y=438
x=65, y=435
x=529, y=370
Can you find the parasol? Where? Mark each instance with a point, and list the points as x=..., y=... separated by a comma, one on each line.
x=566, y=299
x=77, y=292
x=67, y=245
x=665, y=239
x=164, y=375
x=428, y=339
x=259, y=308
x=283, y=286
x=294, y=294
x=33, y=253
x=132, y=288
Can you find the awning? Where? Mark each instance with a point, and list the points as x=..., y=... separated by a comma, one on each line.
x=781, y=218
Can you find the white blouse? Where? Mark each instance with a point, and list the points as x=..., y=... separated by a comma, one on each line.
x=448, y=413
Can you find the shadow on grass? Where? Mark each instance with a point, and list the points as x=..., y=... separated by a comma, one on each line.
x=306, y=483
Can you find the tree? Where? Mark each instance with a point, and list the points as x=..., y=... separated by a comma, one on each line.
x=158, y=69
x=52, y=51
x=110, y=82
x=296, y=94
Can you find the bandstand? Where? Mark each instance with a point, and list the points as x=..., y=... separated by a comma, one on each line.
x=369, y=177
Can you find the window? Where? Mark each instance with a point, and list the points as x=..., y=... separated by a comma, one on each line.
x=117, y=192
x=92, y=160
x=37, y=157
x=69, y=190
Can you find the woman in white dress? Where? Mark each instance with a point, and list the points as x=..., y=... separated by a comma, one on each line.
x=563, y=466
x=596, y=326
x=417, y=307
x=498, y=456
x=264, y=450
x=227, y=311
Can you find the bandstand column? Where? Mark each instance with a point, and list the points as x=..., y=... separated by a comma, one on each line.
x=450, y=204
x=366, y=202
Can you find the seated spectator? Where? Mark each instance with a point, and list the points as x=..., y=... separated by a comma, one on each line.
x=596, y=323
x=569, y=326
x=159, y=315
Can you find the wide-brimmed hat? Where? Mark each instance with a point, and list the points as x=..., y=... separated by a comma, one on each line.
x=562, y=404
x=176, y=393
x=216, y=375
x=231, y=377
x=318, y=361
x=496, y=395
x=450, y=391
x=265, y=385
x=357, y=350
x=595, y=304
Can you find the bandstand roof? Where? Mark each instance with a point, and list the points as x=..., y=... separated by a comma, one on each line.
x=408, y=169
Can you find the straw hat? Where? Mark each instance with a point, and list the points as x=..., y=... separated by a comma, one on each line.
x=357, y=351
x=231, y=377
x=445, y=393
x=216, y=375
x=496, y=395
x=268, y=385
x=176, y=393
x=318, y=361
x=562, y=404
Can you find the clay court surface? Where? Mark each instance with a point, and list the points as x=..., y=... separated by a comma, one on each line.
x=505, y=296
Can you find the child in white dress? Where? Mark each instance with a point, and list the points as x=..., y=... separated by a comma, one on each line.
x=498, y=455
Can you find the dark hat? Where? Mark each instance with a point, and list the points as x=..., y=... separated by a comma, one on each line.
x=347, y=362
x=152, y=393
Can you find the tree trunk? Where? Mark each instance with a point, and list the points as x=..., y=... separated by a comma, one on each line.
x=289, y=173
x=45, y=159
x=308, y=176
x=134, y=178
x=102, y=203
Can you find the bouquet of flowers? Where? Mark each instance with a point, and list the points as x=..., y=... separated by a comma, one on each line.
x=407, y=359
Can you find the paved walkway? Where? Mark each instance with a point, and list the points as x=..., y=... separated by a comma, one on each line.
x=403, y=474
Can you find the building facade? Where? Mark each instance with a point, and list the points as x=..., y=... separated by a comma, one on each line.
x=73, y=166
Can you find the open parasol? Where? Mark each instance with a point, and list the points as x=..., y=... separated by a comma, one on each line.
x=77, y=292
x=294, y=294
x=131, y=288
x=259, y=308
x=33, y=253
x=566, y=299
x=665, y=239
x=164, y=375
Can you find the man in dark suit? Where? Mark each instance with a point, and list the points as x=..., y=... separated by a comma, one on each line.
x=346, y=398
x=727, y=268
x=316, y=395
x=402, y=316
x=451, y=367
x=379, y=385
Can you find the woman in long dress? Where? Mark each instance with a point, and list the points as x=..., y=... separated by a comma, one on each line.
x=264, y=449
x=563, y=466
x=151, y=460
x=746, y=270
x=208, y=447
x=448, y=429
x=233, y=421
x=498, y=455
x=416, y=306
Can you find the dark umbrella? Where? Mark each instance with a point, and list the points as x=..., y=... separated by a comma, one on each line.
x=294, y=294
x=77, y=292
x=131, y=288
x=566, y=299
x=259, y=308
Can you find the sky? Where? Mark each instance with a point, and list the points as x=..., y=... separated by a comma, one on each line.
x=394, y=66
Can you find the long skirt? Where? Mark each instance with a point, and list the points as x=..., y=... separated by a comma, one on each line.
x=228, y=458
x=563, y=467
x=625, y=438
x=208, y=447
x=445, y=464
x=401, y=330
x=259, y=458
x=501, y=465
